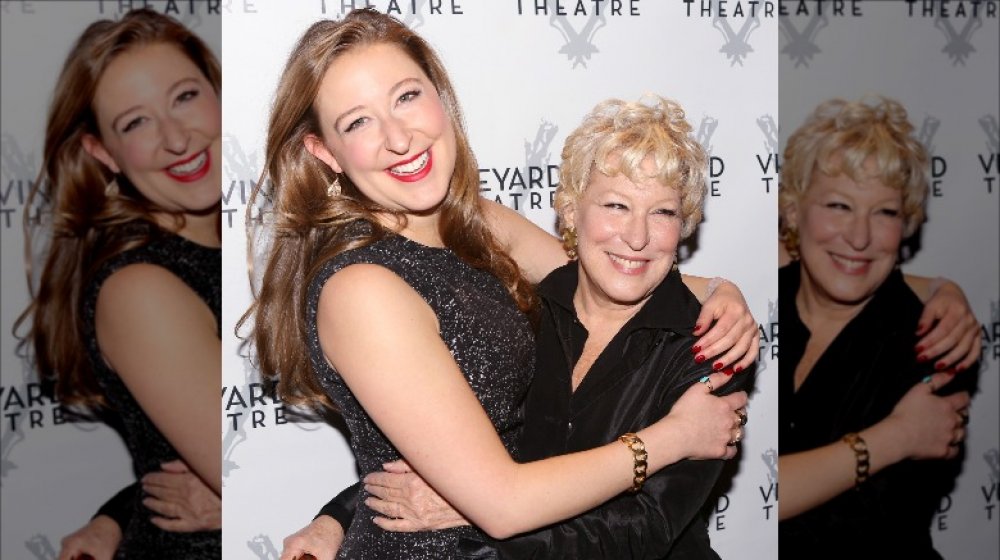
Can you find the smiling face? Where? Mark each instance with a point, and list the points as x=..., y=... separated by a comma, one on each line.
x=160, y=125
x=627, y=235
x=849, y=236
x=384, y=126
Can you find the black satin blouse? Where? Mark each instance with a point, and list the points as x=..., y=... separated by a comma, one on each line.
x=856, y=383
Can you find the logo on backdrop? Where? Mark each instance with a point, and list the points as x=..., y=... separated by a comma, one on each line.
x=410, y=12
x=263, y=548
x=990, y=161
x=19, y=169
x=990, y=339
x=737, y=43
x=716, y=165
x=939, y=165
x=532, y=186
x=959, y=45
x=989, y=490
x=579, y=45
x=40, y=547
x=801, y=45
x=242, y=170
x=769, y=493
x=771, y=165
x=768, y=337
x=8, y=440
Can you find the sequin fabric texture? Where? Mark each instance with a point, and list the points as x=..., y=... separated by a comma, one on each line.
x=200, y=268
x=490, y=340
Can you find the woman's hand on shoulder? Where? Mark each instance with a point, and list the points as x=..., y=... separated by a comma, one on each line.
x=948, y=328
x=320, y=539
x=728, y=332
x=161, y=339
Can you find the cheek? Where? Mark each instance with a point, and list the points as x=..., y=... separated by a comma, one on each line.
x=137, y=154
x=821, y=225
x=889, y=236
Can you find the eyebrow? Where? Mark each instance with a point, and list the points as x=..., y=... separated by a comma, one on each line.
x=170, y=90
x=396, y=86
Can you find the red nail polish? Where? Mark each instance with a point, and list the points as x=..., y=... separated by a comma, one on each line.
x=696, y=349
x=940, y=365
x=728, y=371
x=717, y=366
x=737, y=369
x=699, y=359
x=919, y=348
x=921, y=327
x=952, y=371
x=697, y=328
x=922, y=358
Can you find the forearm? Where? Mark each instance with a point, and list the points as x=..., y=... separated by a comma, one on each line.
x=812, y=478
x=641, y=526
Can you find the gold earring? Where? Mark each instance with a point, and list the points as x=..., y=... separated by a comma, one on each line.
x=569, y=242
x=334, y=188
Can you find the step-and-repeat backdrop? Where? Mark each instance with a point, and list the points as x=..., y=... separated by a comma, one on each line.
x=55, y=471
x=940, y=60
x=526, y=72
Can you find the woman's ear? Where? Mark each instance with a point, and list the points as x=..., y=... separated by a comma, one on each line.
x=315, y=146
x=93, y=146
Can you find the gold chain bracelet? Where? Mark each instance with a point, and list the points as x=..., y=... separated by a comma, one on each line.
x=639, y=456
x=860, y=448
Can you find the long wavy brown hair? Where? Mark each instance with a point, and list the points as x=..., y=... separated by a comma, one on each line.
x=91, y=214
x=307, y=225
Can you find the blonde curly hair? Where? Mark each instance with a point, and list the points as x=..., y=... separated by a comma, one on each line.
x=840, y=137
x=617, y=136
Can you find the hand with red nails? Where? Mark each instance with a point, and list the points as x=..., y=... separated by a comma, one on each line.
x=97, y=539
x=948, y=329
x=320, y=540
x=733, y=338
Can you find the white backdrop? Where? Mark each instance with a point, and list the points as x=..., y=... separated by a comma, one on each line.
x=525, y=74
x=54, y=474
x=940, y=59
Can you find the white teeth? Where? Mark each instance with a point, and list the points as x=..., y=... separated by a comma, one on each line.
x=626, y=263
x=412, y=167
x=850, y=265
x=189, y=167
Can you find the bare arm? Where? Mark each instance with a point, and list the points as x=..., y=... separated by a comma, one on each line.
x=921, y=426
x=383, y=339
x=728, y=331
x=160, y=338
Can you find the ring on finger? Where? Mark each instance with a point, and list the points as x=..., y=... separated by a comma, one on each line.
x=707, y=382
x=736, y=439
x=742, y=413
x=964, y=413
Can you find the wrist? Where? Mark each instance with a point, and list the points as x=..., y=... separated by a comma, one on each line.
x=107, y=527
x=663, y=446
x=328, y=526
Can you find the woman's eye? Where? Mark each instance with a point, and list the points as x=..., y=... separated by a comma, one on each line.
x=132, y=124
x=187, y=95
x=355, y=124
x=670, y=212
x=409, y=96
x=615, y=206
x=891, y=212
x=837, y=206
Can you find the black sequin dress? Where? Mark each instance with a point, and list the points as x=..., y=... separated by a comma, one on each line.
x=200, y=268
x=490, y=339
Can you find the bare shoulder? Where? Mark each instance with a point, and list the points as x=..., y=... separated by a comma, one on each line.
x=138, y=288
